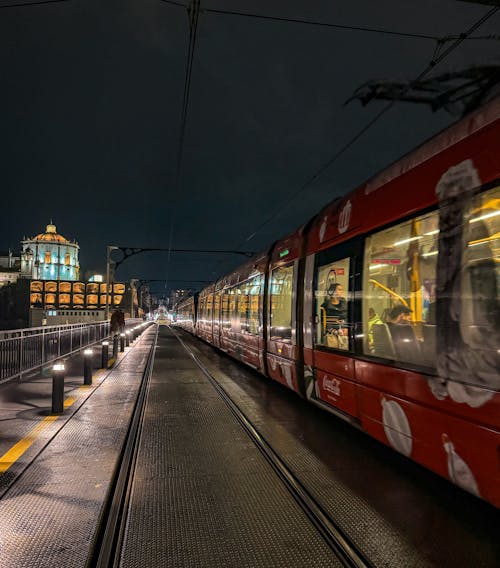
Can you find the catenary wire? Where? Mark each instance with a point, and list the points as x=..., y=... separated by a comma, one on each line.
x=39, y=3
x=462, y=37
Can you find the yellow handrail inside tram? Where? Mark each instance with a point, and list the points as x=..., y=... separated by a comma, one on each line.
x=389, y=291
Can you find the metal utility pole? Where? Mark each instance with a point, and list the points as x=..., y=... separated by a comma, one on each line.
x=109, y=248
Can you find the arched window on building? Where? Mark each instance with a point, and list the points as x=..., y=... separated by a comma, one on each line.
x=67, y=259
x=48, y=257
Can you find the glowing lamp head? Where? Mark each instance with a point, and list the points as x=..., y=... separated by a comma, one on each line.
x=58, y=367
x=88, y=352
x=104, y=343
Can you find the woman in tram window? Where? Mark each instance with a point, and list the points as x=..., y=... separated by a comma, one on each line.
x=335, y=313
x=335, y=306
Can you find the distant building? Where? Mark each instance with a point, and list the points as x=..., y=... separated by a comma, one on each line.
x=42, y=286
x=50, y=256
x=9, y=260
x=9, y=267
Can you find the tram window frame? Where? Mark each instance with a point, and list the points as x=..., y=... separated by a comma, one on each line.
x=418, y=361
x=209, y=309
x=251, y=322
x=225, y=314
x=288, y=336
x=217, y=308
x=351, y=250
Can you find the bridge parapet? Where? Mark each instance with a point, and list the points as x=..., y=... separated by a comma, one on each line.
x=25, y=350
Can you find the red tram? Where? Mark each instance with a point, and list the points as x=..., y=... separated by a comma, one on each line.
x=384, y=308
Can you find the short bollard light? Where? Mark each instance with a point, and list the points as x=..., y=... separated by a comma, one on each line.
x=87, y=366
x=115, y=346
x=127, y=338
x=122, y=342
x=104, y=354
x=58, y=388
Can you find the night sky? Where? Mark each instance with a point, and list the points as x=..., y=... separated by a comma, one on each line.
x=91, y=96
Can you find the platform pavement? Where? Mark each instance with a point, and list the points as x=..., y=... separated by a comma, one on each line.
x=26, y=421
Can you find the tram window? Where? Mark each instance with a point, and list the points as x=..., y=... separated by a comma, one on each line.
x=233, y=310
x=243, y=307
x=209, y=303
x=217, y=308
x=253, y=305
x=399, y=287
x=480, y=273
x=226, y=316
x=281, y=302
x=332, y=284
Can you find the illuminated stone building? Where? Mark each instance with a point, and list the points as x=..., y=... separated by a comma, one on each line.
x=50, y=256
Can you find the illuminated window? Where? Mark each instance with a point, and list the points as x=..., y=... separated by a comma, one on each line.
x=281, y=302
x=253, y=319
x=332, y=286
x=67, y=259
x=226, y=318
x=47, y=257
x=399, y=291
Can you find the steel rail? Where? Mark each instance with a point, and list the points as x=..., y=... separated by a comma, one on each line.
x=109, y=539
x=336, y=538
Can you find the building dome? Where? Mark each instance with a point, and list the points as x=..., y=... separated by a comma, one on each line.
x=50, y=235
x=50, y=256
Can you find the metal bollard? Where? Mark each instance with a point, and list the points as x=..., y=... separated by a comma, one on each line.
x=104, y=354
x=58, y=388
x=115, y=346
x=127, y=339
x=122, y=342
x=87, y=366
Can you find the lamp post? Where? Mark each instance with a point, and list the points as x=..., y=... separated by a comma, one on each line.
x=109, y=248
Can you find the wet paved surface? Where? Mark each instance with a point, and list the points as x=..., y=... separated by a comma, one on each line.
x=392, y=507
x=53, y=495
x=202, y=496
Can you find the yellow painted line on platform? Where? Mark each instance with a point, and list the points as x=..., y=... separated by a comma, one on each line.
x=12, y=455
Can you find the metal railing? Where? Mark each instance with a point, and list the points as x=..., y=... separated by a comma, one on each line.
x=25, y=350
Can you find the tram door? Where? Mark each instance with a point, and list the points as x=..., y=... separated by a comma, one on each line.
x=330, y=316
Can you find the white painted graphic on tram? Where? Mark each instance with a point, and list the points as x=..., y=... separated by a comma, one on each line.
x=397, y=427
x=345, y=217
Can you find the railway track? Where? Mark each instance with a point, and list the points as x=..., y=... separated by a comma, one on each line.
x=108, y=544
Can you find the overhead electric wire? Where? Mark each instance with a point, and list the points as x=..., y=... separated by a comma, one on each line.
x=193, y=13
x=360, y=133
x=317, y=23
x=174, y=3
x=38, y=3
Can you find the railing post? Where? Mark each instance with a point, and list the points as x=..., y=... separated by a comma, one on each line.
x=21, y=354
x=43, y=347
x=59, y=342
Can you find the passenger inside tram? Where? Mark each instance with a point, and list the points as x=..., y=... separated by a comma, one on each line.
x=332, y=320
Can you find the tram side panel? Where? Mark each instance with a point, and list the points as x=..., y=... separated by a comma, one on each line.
x=401, y=268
